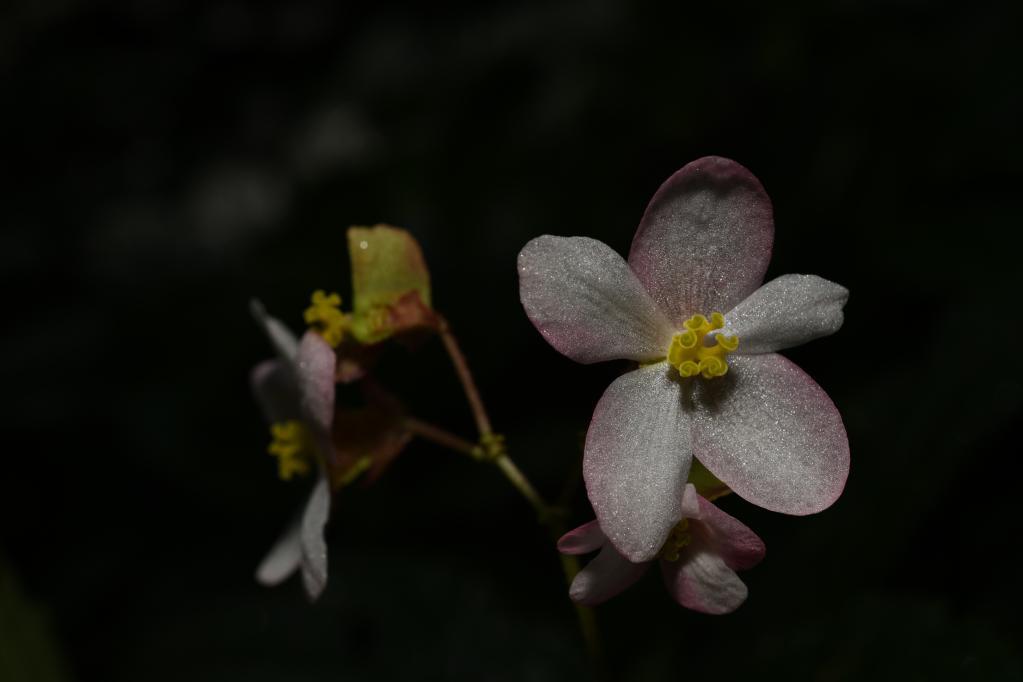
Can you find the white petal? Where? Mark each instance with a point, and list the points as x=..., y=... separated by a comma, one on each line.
x=786, y=312
x=691, y=503
x=586, y=301
x=582, y=540
x=315, y=365
x=700, y=580
x=273, y=383
x=705, y=240
x=771, y=434
x=281, y=338
x=283, y=558
x=637, y=458
x=604, y=577
x=314, y=547
x=728, y=537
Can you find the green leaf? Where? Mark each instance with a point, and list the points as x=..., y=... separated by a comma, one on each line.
x=387, y=264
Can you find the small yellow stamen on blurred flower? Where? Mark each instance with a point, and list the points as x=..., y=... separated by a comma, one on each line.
x=690, y=356
x=292, y=448
x=678, y=539
x=325, y=317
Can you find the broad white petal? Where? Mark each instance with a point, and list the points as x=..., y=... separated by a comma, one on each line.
x=586, y=301
x=314, y=547
x=705, y=240
x=771, y=434
x=281, y=338
x=283, y=558
x=604, y=577
x=637, y=458
x=785, y=312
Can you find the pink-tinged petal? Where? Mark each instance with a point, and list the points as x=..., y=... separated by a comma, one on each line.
x=314, y=364
x=691, y=508
x=273, y=384
x=772, y=435
x=314, y=547
x=785, y=312
x=701, y=581
x=729, y=538
x=311, y=584
x=582, y=540
x=283, y=558
x=583, y=298
x=281, y=338
x=637, y=457
x=705, y=240
x=604, y=577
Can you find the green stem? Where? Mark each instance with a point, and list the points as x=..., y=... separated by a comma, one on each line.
x=518, y=479
x=587, y=619
x=546, y=513
x=472, y=394
x=437, y=435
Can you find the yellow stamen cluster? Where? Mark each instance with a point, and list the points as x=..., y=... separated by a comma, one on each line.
x=292, y=448
x=690, y=356
x=678, y=539
x=325, y=317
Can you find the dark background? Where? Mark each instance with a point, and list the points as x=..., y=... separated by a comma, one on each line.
x=169, y=161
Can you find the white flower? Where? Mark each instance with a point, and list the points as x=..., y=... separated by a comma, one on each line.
x=709, y=386
x=297, y=389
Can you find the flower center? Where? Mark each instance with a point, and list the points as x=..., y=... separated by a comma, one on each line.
x=678, y=539
x=292, y=447
x=324, y=316
x=691, y=356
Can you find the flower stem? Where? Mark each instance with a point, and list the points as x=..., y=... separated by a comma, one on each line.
x=569, y=563
x=547, y=514
x=441, y=437
x=511, y=471
x=472, y=394
x=587, y=619
x=518, y=479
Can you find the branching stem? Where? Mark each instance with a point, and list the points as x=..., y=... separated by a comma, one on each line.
x=437, y=435
x=547, y=514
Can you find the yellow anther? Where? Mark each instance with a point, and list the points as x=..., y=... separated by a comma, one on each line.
x=698, y=323
x=325, y=317
x=688, y=368
x=729, y=343
x=291, y=447
x=690, y=354
x=678, y=539
x=712, y=367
